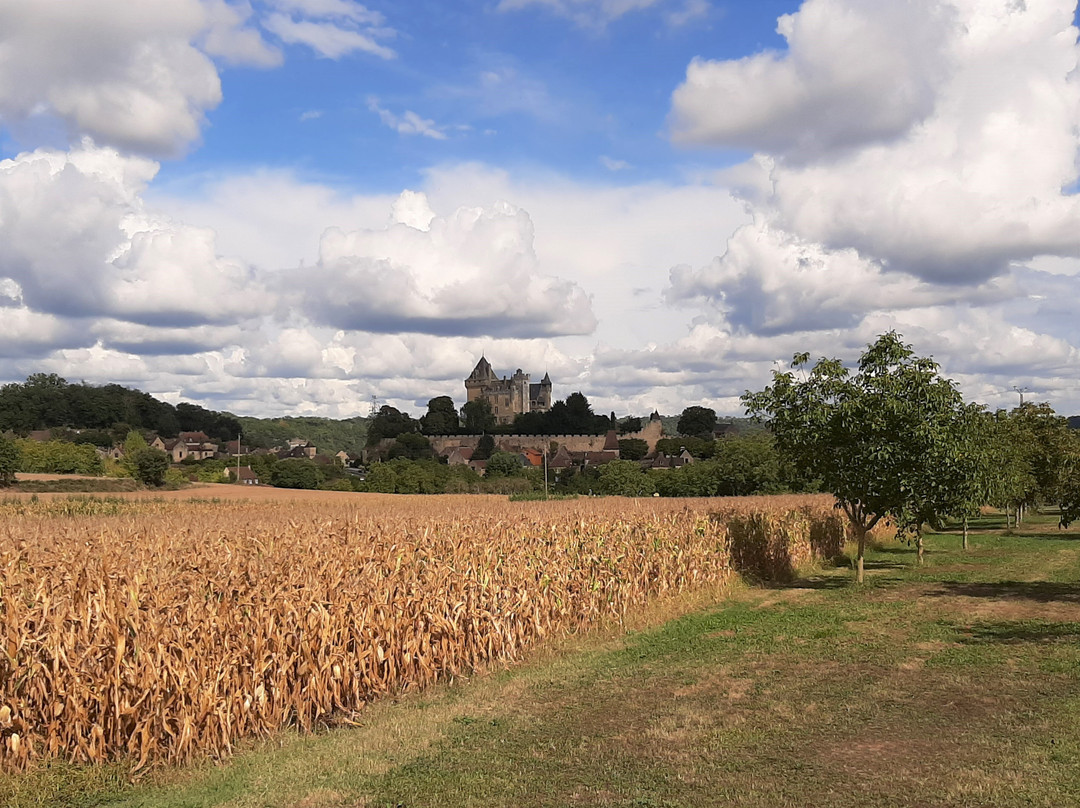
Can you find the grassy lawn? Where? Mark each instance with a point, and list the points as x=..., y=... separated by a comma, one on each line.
x=954, y=684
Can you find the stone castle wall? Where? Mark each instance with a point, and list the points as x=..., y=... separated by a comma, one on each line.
x=444, y=444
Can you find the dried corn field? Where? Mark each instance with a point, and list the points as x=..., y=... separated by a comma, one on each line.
x=158, y=630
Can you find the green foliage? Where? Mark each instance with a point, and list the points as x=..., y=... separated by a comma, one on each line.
x=574, y=416
x=330, y=435
x=478, y=417
x=134, y=442
x=441, y=417
x=503, y=464
x=175, y=478
x=748, y=465
x=624, y=478
x=629, y=424
x=484, y=448
x=411, y=446
x=150, y=466
x=699, y=447
x=886, y=440
x=389, y=423
x=1041, y=439
x=742, y=466
x=633, y=448
x=698, y=421
x=47, y=400
x=59, y=457
x=403, y=476
x=295, y=473
x=9, y=461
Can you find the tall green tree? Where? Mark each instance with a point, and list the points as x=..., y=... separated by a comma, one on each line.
x=697, y=421
x=503, y=464
x=9, y=461
x=624, y=478
x=150, y=466
x=478, y=417
x=389, y=422
x=877, y=439
x=441, y=417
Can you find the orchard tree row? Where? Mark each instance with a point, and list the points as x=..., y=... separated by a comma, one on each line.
x=894, y=440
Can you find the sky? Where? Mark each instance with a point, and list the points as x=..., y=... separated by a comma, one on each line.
x=299, y=207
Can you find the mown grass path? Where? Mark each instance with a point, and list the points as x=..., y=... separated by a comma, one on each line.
x=955, y=684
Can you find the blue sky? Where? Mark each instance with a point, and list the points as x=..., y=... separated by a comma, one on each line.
x=288, y=206
x=523, y=89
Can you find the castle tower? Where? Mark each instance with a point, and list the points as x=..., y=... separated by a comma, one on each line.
x=479, y=380
x=508, y=397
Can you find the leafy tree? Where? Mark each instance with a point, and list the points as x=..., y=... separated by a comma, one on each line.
x=977, y=478
x=58, y=457
x=879, y=439
x=1042, y=439
x=744, y=466
x=441, y=418
x=633, y=448
x=629, y=425
x=697, y=421
x=1069, y=492
x=390, y=422
x=503, y=464
x=695, y=480
x=484, y=448
x=411, y=446
x=624, y=478
x=478, y=417
x=295, y=473
x=580, y=418
x=9, y=461
x=150, y=466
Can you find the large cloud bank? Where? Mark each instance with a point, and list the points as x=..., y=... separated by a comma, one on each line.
x=915, y=165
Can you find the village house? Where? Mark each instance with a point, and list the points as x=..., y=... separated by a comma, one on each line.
x=245, y=474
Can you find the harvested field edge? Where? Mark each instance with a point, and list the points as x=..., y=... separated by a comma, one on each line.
x=174, y=629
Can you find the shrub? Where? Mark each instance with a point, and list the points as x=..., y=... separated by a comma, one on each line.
x=150, y=466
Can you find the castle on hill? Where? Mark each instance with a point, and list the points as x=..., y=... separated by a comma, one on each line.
x=508, y=397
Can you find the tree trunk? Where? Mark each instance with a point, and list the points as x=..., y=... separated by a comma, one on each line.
x=919, y=548
x=859, y=578
x=965, y=532
x=1008, y=524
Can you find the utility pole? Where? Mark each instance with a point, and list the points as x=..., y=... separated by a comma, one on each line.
x=1021, y=391
x=545, y=475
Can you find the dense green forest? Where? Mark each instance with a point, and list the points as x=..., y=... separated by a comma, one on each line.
x=47, y=401
x=328, y=435
x=105, y=414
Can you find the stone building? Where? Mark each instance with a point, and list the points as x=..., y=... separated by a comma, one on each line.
x=509, y=397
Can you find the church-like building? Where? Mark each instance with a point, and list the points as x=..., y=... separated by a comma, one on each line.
x=508, y=397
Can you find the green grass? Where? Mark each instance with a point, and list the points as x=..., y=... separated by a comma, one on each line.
x=953, y=684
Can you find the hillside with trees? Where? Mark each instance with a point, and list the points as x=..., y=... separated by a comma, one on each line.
x=47, y=401
x=329, y=434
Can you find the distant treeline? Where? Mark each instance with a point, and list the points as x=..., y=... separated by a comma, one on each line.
x=329, y=435
x=46, y=401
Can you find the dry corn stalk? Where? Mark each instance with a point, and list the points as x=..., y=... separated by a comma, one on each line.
x=173, y=629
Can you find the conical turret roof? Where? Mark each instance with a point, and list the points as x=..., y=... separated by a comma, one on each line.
x=482, y=371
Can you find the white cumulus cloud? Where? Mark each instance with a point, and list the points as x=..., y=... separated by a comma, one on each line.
x=470, y=273
x=134, y=75
x=934, y=137
x=77, y=239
